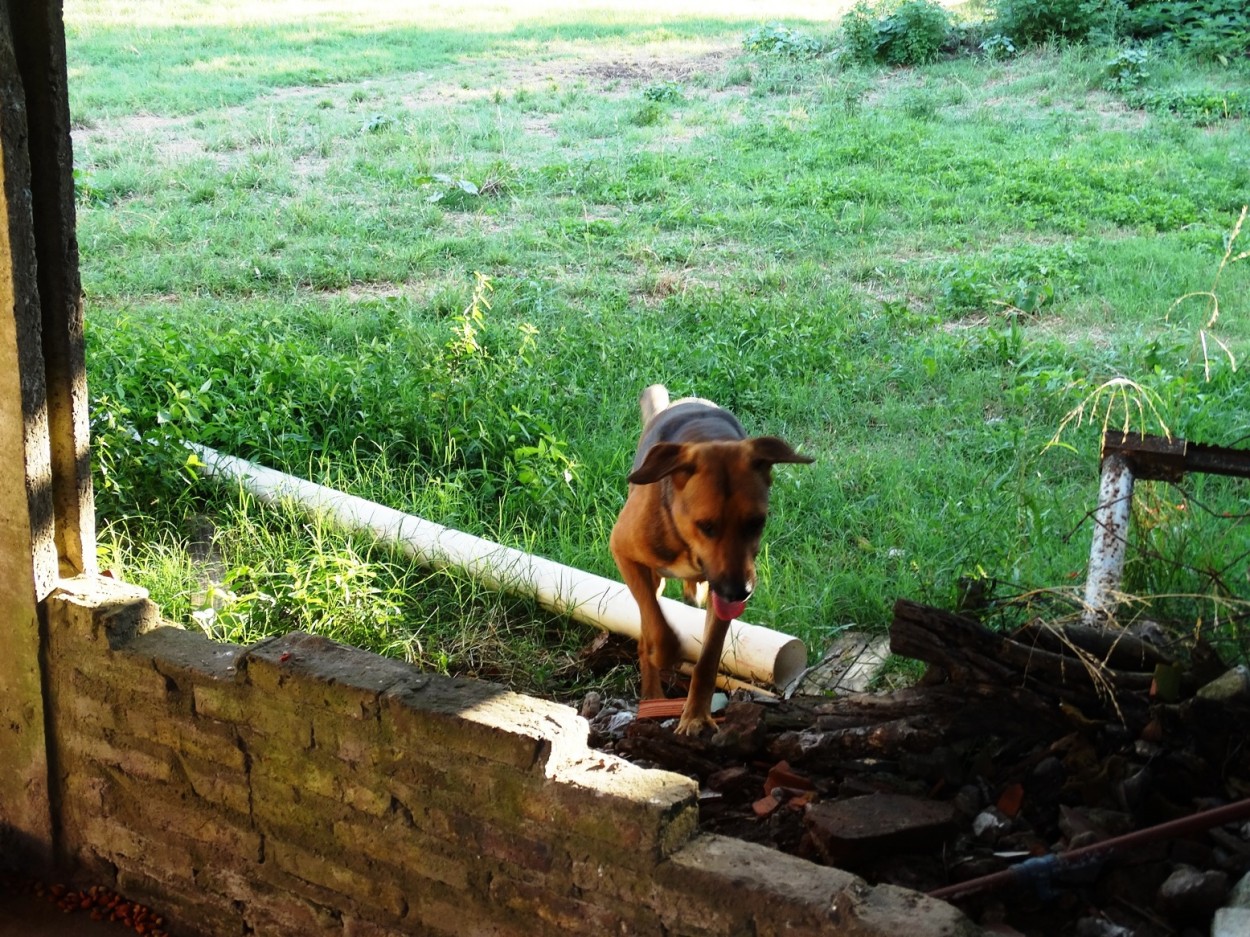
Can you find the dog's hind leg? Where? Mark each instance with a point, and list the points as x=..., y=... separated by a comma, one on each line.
x=694, y=593
x=653, y=400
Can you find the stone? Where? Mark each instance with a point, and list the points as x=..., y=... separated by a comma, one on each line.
x=1189, y=893
x=1231, y=922
x=1232, y=686
x=990, y=825
x=1239, y=897
x=878, y=824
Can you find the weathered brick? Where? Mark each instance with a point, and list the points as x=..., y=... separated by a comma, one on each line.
x=445, y=719
x=195, y=914
x=561, y=912
x=323, y=871
x=229, y=789
x=411, y=854
x=640, y=815
x=441, y=912
x=119, y=679
x=323, y=674
x=225, y=702
x=282, y=721
x=433, y=813
x=202, y=738
x=95, y=608
x=356, y=927
x=140, y=806
x=284, y=809
x=163, y=858
x=269, y=910
x=522, y=852
x=778, y=893
x=92, y=715
x=185, y=657
x=312, y=788
x=125, y=754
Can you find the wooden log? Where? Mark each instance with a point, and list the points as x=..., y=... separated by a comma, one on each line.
x=970, y=653
x=917, y=719
x=1114, y=647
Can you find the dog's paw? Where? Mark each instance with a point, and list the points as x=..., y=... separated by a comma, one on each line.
x=695, y=724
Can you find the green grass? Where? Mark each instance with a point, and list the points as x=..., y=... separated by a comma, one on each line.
x=911, y=275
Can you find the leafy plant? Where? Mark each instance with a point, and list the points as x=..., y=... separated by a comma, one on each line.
x=445, y=188
x=1019, y=281
x=1169, y=380
x=378, y=122
x=1028, y=22
x=776, y=39
x=1127, y=69
x=1215, y=29
x=998, y=47
x=911, y=32
x=1197, y=105
x=667, y=92
x=483, y=419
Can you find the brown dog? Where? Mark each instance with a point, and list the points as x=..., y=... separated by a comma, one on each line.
x=697, y=503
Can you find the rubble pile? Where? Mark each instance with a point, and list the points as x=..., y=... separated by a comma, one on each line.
x=1048, y=781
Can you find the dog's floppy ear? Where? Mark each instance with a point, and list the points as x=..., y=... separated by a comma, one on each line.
x=662, y=460
x=769, y=450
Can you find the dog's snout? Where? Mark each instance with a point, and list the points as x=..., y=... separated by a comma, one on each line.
x=733, y=590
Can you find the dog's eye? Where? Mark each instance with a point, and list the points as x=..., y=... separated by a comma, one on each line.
x=753, y=526
x=707, y=528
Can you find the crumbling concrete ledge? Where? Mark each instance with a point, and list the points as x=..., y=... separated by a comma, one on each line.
x=300, y=787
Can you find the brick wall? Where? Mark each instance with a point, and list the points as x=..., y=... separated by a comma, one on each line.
x=300, y=787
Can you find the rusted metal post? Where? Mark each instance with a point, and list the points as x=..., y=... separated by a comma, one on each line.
x=1110, y=544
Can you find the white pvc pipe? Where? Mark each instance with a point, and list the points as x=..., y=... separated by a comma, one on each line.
x=756, y=654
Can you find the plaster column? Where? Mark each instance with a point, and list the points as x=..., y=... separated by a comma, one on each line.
x=47, y=522
x=28, y=557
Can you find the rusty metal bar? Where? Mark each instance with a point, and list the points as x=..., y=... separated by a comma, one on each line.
x=1158, y=458
x=1040, y=871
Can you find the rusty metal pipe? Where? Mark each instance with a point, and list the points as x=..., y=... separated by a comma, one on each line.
x=1109, y=548
x=1042, y=869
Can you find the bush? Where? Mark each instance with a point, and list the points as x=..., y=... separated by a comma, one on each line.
x=1032, y=21
x=1209, y=28
x=907, y=33
x=1127, y=70
x=775, y=39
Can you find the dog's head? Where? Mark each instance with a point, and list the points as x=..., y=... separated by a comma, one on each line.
x=719, y=504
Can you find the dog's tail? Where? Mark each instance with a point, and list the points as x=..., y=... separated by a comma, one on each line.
x=653, y=400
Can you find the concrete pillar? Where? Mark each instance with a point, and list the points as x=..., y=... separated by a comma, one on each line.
x=39, y=44
x=47, y=526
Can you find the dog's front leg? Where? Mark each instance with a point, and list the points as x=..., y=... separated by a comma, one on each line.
x=657, y=642
x=697, y=713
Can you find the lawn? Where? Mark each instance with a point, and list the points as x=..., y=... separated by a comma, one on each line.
x=433, y=256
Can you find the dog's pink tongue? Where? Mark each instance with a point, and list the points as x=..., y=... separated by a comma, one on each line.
x=725, y=610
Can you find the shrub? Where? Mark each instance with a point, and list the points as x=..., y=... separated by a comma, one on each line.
x=775, y=39
x=666, y=92
x=997, y=47
x=1199, y=106
x=908, y=33
x=1209, y=28
x=859, y=33
x=1032, y=21
x=1127, y=70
